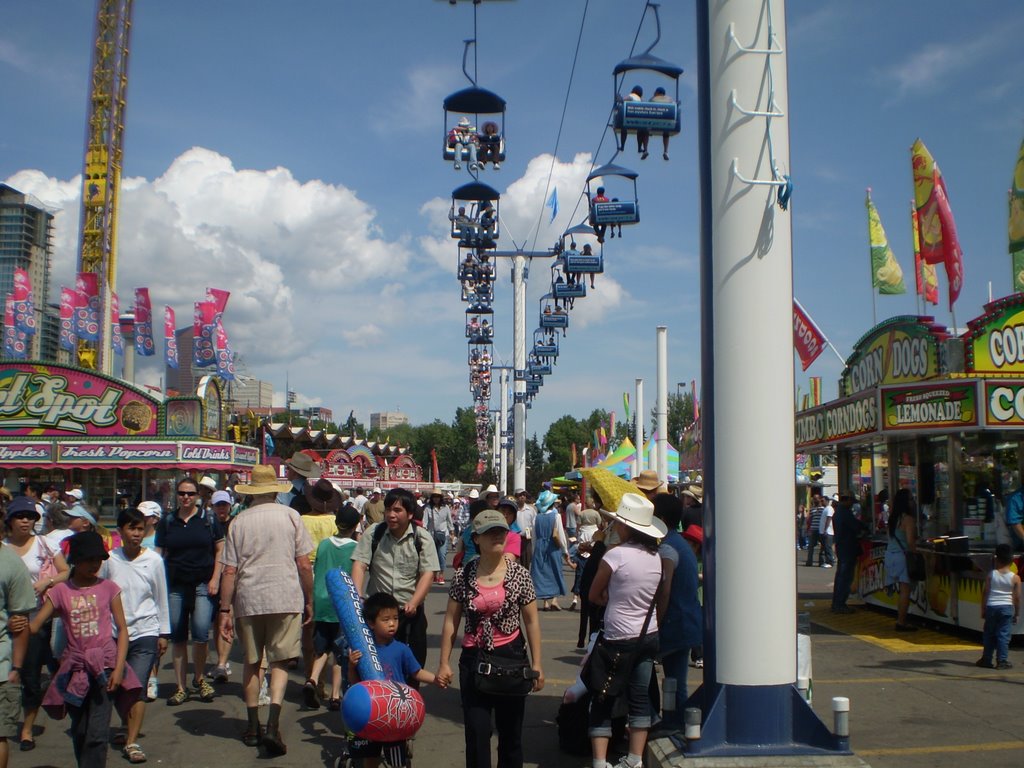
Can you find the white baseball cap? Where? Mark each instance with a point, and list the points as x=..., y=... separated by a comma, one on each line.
x=75, y=493
x=150, y=509
x=220, y=496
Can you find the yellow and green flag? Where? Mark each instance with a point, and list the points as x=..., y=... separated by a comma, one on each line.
x=886, y=274
x=1016, y=228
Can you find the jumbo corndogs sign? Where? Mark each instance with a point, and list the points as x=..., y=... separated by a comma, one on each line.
x=837, y=422
x=898, y=351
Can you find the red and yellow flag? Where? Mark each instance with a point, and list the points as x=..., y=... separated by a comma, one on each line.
x=924, y=273
x=939, y=243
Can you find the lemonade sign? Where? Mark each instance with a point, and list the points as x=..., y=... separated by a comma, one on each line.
x=949, y=405
x=900, y=350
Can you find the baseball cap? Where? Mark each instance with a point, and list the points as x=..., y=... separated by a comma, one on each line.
x=81, y=512
x=75, y=493
x=488, y=520
x=221, y=496
x=150, y=509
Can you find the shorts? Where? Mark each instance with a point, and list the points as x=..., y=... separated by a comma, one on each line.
x=142, y=656
x=896, y=567
x=10, y=710
x=191, y=608
x=363, y=748
x=280, y=634
x=328, y=638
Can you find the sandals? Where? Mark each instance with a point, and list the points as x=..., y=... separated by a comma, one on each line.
x=204, y=689
x=178, y=698
x=133, y=753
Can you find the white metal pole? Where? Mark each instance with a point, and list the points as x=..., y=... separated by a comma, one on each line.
x=639, y=420
x=503, y=431
x=662, y=465
x=751, y=330
x=129, y=347
x=519, y=363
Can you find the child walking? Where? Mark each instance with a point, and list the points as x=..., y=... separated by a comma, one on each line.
x=381, y=613
x=92, y=668
x=1000, y=608
x=139, y=572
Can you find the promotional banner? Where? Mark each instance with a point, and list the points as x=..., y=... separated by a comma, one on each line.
x=203, y=331
x=945, y=406
x=1016, y=228
x=10, y=331
x=24, y=309
x=218, y=298
x=87, y=306
x=116, y=339
x=68, y=339
x=924, y=273
x=937, y=230
x=886, y=273
x=225, y=357
x=170, y=340
x=807, y=338
x=144, y=345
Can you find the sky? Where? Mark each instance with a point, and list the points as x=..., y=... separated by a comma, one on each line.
x=291, y=154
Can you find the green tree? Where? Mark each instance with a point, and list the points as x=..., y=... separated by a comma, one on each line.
x=558, y=442
x=536, y=470
x=680, y=415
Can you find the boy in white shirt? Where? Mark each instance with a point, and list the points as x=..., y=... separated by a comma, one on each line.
x=139, y=572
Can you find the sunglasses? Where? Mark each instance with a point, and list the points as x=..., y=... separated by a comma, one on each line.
x=188, y=493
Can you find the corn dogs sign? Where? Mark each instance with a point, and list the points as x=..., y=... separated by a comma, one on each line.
x=900, y=350
x=995, y=341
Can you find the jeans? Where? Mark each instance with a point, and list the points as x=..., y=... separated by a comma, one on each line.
x=477, y=711
x=815, y=540
x=441, y=545
x=843, y=581
x=998, y=621
x=90, y=727
x=826, y=548
x=190, y=606
x=676, y=665
x=142, y=656
x=637, y=693
x=413, y=632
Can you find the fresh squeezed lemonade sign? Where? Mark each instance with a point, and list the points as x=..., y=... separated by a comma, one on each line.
x=900, y=350
x=948, y=406
x=44, y=400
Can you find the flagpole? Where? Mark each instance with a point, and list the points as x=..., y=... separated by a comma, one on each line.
x=871, y=269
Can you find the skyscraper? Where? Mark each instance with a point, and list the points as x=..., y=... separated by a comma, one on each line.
x=26, y=242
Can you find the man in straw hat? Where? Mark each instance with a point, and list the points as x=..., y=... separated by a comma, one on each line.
x=299, y=469
x=649, y=484
x=268, y=581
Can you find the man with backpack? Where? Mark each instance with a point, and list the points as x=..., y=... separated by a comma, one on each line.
x=398, y=557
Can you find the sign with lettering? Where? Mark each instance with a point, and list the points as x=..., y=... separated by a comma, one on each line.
x=836, y=422
x=29, y=452
x=900, y=350
x=54, y=401
x=246, y=454
x=206, y=453
x=949, y=405
x=117, y=453
x=1004, y=404
x=994, y=342
x=209, y=392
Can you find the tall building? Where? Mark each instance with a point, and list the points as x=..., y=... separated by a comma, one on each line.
x=387, y=419
x=183, y=380
x=247, y=392
x=26, y=242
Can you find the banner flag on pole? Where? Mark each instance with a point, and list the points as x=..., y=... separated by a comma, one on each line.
x=939, y=243
x=203, y=330
x=1016, y=228
x=24, y=309
x=553, y=204
x=68, y=339
x=144, y=345
x=170, y=339
x=225, y=357
x=807, y=337
x=815, y=390
x=625, y=404
x=116, y=339
x=87, y=306
x=219, y=299
x=925, y=276
x=886, y=273
x=693, y=396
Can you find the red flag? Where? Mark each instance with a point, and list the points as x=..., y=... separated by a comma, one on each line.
x=433, y=462
x=954, y=255
x=67, y=319
x=807, y=338
x=574, y=455
x=87, y=306
x=219, y=298
x=937, y=230
x=170, y=339
x=24, y=311
x=116, y=340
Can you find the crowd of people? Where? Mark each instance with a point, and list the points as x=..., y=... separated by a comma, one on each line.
x=94, y=609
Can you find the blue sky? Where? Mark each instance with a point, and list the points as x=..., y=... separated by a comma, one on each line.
x=291, y=155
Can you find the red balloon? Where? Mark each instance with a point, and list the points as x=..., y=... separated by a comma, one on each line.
x=382, y=710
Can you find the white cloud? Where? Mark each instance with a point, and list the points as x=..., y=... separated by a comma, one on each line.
x=364, y=336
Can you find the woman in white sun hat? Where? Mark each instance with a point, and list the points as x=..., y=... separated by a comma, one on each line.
x=627, y=583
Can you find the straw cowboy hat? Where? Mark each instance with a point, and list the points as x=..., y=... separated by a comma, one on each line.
x=695, y=492
x=264, y=481
x=647, y=480
x=637, y=512
x=303, y=465
x=323, y=496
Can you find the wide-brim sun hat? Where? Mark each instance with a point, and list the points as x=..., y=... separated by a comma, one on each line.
x=474, y=494
x=208, y=482
x=647, y=480
x=323, y=496
x=545, y=501
x=695, y=492
x=636, y=512
x=303, y=465
x=22, y=506
x=264, y=481
x=490, y=489
x=82, y=512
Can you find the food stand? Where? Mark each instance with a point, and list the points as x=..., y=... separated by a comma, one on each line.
x=70, y=426
x=942, y=416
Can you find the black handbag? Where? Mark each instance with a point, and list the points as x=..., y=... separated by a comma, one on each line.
x=503, y=676
x=606, y=671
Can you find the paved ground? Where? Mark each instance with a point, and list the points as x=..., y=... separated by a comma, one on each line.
x=917, y=700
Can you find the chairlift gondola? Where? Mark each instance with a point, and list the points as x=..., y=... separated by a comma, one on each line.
x=474, y=215
x=551, y=315
x=575, y=260
x=478, y=140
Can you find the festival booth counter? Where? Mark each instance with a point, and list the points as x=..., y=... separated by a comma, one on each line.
x=944, y=417
x=67, y=426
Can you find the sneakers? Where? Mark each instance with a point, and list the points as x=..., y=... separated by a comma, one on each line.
x=151, y=690
x=664, y=155
x=178, y=698
x=645, y=155
x=204, y=689
x=1004, y=665
x=625, y=763
x=497, y=166
x=220, y=674
x=826, y=565
x=984, y=664
x=574, y=604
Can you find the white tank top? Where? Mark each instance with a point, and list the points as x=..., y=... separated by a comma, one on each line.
x=1000, y=591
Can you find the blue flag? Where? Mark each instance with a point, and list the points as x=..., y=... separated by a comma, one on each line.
x=553, y=204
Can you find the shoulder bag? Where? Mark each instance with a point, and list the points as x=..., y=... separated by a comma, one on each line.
x=501, y=674
x=608, y=667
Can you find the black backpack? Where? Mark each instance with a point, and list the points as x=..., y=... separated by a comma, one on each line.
x=378, y=534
